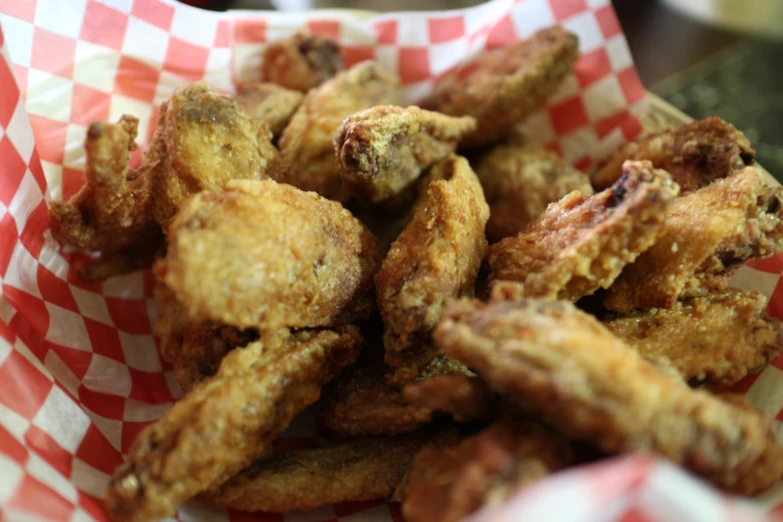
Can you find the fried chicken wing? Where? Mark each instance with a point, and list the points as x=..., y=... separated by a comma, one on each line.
x=558, y=362
x=301, y=62
x=226, y=422
x=706, y=237
x=717, y=339
x=202, y=141
x=358, y=469
x=464, y=397
x=695, y=154
x=361, y=402
x=270, y=103
x=436, y=257
x=259, y=252
x=110, y=213
x=383, y=150
x=503, y=87
x=581, y=243
x=306, y=145
x=448, y=482
x=520, y=180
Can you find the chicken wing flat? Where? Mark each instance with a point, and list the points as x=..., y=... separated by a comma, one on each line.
x=259, y=252
x=110, y=213
x=562, y=364
x=306, y=145
x=356, y=470
x=270, y=103
x=581, y=243
x=383, y=150
x=361, y=402
x=707, y=236
x=301, y=62
x=464, y=397
x=717, y=339
x=436, y=257
x=448, y=482
x=203, y=139
x=520, y=180
x=503, y=87
x=226, y=422
x=695, y=154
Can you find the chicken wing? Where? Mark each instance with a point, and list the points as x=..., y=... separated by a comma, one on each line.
x=695, y=154
x=519, y=181
x=581, y=243
x=301, y=62
x=383, y=150
x=361, y=402
x=202, y=141
x=707, y=236
x=110, y=213
x=306, y=145
x=717, y=339
x=436, y=257
x=358, y=469
x=448, y=482
x=269, y=103
x=503, y=87
x=562, y=364
x=259, y=252
x=226, y=422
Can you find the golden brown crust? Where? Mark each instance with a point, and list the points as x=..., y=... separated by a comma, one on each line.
x=581, y=243
x=448, y=482
x=436, y=257
x=519, y=181
x=383, y=150
x=262, y=253
x=464, y=397
x=695, y=154
x=301, y=62
x=356, y=470
x=361, y=402
x=501, y=88
x=717, y=339
x=202, y=141
x=270, y=103
x=562, y=364
x=306, y=145
x=707, y=235
x=226, y=422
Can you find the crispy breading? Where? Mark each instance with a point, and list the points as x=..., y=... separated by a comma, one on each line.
x=448, y=482
x=203, y=139
x=717, y=339
x=581, y=243
x=361, y=402
x=503, y=87
x=226, y=422
x=355, y=470
x=695, y=154
x=562, y=364
x=436, y=257
x=464, y=397
x=306, y=145
x=520, y=180
x=263, y=253
x=270, y=103
x=706, y=237
x=110, y=213
x=301, y=62
x=383, y=150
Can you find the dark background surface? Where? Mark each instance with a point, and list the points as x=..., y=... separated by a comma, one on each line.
x=701, y=70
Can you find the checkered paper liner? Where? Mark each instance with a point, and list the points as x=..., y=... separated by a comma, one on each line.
x=80, y=375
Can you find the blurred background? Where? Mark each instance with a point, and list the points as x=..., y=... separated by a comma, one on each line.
x=706, y=57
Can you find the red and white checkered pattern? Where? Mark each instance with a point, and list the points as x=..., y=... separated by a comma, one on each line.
x=79, y=370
